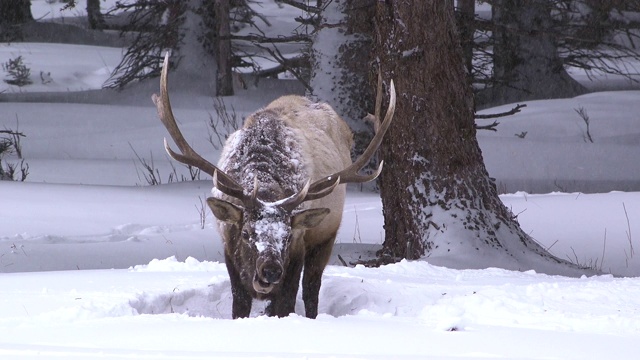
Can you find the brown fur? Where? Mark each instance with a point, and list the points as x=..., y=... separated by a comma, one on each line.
x=324, y=142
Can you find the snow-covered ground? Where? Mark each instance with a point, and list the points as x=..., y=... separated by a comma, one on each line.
x=94, y=264
x=180, y=310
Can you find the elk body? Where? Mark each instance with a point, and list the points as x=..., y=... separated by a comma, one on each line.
x=273, y=220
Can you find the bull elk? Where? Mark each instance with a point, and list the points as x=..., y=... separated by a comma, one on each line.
x=272, y=218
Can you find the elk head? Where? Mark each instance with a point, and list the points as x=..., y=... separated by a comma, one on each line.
x=264, y=233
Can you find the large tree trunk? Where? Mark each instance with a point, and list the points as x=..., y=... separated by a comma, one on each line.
x=527, y=65
x=340, y=55
x=197, y=52
x=437, y=196
x=466, y=26
x=94, y=15
x=15, y=12
x=224, y=78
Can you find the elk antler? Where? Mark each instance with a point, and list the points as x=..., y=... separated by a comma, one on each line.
x=303, y=195
x=325, y=186
x=188, y=156
x=350, y=173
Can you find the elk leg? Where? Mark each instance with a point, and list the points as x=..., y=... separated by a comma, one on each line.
x=241, y=306
x=314, y=263
x=284, y=303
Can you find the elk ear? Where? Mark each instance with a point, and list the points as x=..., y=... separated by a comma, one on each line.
x=309, y=218
x=224, y=210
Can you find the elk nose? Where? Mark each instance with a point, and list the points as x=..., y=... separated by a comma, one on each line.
x=271, y=273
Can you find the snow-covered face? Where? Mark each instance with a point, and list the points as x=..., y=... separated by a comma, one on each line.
x=265, y=235
x=268, y=233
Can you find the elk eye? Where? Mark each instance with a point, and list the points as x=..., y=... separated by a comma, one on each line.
x=245, y=235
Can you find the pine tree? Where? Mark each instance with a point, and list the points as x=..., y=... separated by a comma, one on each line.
x=438, y=198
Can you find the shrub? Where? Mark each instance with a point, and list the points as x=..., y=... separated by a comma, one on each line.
x=10, y=144
x=19, y=72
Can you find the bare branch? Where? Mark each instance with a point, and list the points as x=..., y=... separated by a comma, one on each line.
x=11, y=132
x=301, y=6
x=513, y=111
x=259, y=39
x=493, y=126
x=277, y=55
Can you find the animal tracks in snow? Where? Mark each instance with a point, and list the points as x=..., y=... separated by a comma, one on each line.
x=212, y=302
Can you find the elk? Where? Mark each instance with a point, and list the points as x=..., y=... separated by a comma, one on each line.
x=273, y=220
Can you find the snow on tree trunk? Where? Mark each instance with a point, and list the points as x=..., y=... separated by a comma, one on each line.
x=341, y=54
x=438, y=199
x=197, y=64
x=526, y=61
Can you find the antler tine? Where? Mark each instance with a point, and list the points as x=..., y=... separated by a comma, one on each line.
x=254, y=193
x=378, y=109
x=350, y=174
x=187, y=155
x=296, y=199
x=324, y=190
x=231, y=191
x=306, y=194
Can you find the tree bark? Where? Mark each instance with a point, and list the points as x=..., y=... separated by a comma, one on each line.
x=467, y=11
x=94, y=15
x=438, y=199
x=224, y=78
x=526, y=65
x=15, y=12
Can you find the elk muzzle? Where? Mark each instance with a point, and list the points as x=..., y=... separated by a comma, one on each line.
x=269, y=272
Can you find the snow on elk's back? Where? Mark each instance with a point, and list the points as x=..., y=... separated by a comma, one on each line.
x=267, y=149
